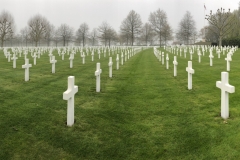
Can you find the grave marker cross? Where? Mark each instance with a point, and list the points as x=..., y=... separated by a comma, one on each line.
x=53, y=61
x=110, y=67
x=175, y=63
x=228, y=59
x=190, y=72
x=69, y=96
x=117, y=60
x=14, y=58
x=97, y=74
x=225, y=89
x=167, y=59
x=26, y=66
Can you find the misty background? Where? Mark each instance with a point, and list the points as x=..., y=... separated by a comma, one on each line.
x=95, y=12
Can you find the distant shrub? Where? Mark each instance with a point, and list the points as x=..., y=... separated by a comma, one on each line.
x=231, y=42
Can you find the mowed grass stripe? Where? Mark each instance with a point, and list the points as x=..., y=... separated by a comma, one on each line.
x=143, y=112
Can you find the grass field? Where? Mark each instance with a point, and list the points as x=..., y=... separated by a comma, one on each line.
x=143, y=112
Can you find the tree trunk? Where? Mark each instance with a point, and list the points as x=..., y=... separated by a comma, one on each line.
x=48, y=42
x=132, y=39
x=83, y=41
x=159, y=39
x=220, y=41
x=146, y=40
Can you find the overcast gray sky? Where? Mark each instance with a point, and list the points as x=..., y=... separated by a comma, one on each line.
x=94, y=12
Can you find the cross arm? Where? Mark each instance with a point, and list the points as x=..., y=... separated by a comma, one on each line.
x=226, y=87
x=69, y=93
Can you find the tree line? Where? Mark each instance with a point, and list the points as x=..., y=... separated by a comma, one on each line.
x=40, y=32
x=223, y=27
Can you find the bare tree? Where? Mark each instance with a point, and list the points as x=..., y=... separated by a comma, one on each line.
x=93, y=36
x=78, y=39
x=131, y=25
x=111, y=36
x=186, y=29
x=167, y=33
x=65, y=32
x=103, y=30
x=25, y=35
x=210, y=35
x=82, y=32
x=56, y=38
x=221, y=23
x=49, y=34
x=147, y=33
x=202, y=32
x=235, y=30
x=125, y=37
x=7, y=27
x=16, y=40
x=158, y=20
x=37, y=28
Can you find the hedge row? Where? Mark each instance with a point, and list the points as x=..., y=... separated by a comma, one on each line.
x=231, y=42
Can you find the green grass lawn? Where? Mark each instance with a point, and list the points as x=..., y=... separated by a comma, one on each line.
x=143, y=112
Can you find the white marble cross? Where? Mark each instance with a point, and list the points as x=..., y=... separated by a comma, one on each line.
x=97, y=74
x=71, y=60
x=9, y=56
x=26, y=66
x=53, y=61
x=191, y=53
x=69, y=96
x=14, y=58
x=162, y=58
x=39, y=53
x=73, y=54
x=175, y=63
x=203, y=51
x=225, y=89
x=20, y=53
x=92, y=56
x=122, y=58
x=83, y=58
x=228, y=59
x=110, y=67
x=25, y=54
x=224, y=50
x=167, y=59
x=218, y=52
x=125, y=56
x=34, y=58
x=199, y=56
x=117, y=62
x=50, y=56
x=211, y=57
x=63, y=55
x=190, y=72
x=99, y=54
